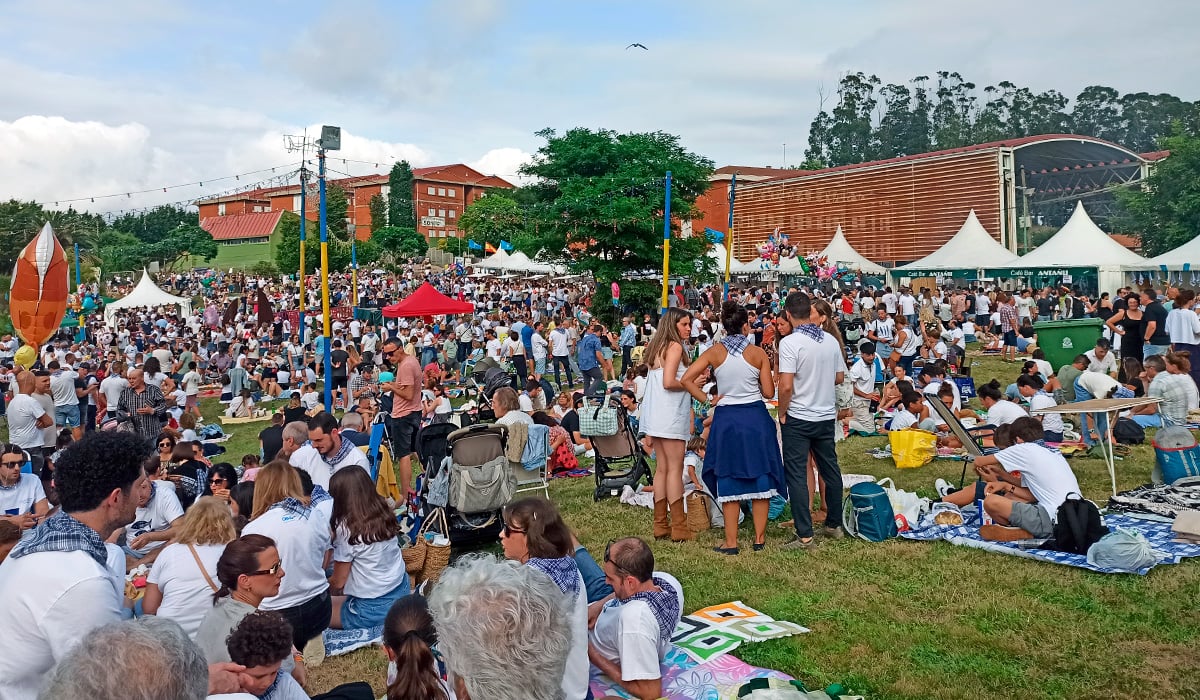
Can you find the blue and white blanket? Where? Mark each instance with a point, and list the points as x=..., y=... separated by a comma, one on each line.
x=1158, y=534
x=338, y=642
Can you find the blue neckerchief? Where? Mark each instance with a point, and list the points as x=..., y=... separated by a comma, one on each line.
x=338, y=456
x=62, y=533
x=296, y=507
x=563, y=571
x=811, y=330
x=735, y=344
x=664, y=605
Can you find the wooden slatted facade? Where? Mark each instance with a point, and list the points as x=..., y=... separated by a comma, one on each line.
x=891, y=212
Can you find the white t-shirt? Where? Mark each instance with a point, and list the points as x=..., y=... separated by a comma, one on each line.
x=23, y=412
x=889, y=303
x=186, y=596
x=308, y=459
x=62, y=388
x=191, y=382
x=903, y=419
x=302, y=543
x=983, y=305
x=957, y=337
x=908, y=304
x=375, y=569
x=816, y=366
x=863, y=376
x=539, y=345
x=21, y=498
x=1024, y=305
x=884, y=329
x=156, y=516
x=1003, y=412
x=968, y=328
x=1043, y=471
x=1106, y=366
x=493, y=348
x=1098, y=384
x=1044, y=368
x=1052, y=422
x=560, y=343
x=628, y=634
x=111, y=387
x=517, y=416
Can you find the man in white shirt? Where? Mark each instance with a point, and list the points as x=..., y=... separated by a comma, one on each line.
x=332, y=452
x=560, y=350
x=158, y=514
x=810, y=367
x=540, y=348
x=22, y=498
x=112, y=386
x=1102, y=359
x=56, y=584
x=632, y=627
x=66, y=401
x=889, y=301
x=983, y=310
x=882, y=331
x=862, y=377
x=27, y=419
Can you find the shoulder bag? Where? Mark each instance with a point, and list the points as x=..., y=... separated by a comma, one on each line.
x=598, y=420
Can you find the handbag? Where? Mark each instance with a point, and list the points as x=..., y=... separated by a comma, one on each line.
x=437, y=556
x=598, y=420
x=481, y=489
x=439, y=486
x=696, y=506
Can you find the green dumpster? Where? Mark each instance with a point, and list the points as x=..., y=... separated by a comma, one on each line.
x=1063, y=340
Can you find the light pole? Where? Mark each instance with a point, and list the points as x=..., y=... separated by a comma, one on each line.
x=303, y=219
x=331, y=140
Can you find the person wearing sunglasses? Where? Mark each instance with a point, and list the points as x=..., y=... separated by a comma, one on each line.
x=535, y=535
x=249, y=571
x=22, y=499
x=222, y=478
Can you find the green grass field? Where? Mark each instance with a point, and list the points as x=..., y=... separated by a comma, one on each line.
x=912, y=620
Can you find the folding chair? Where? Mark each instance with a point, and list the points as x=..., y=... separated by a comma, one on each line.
x=537, y=478
x=972, y=440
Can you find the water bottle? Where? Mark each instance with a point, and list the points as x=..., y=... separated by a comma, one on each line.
x=984, y=517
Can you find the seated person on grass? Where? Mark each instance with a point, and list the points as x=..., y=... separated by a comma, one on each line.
x=630, y=630
x=894, y=388
x=913, y=414
x=1022, y=485
x=1032, y=388
x=1064, y=378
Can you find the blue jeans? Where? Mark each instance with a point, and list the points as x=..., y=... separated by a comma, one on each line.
x=1149, y=350
x=1150, y=420
x=364, y=613
x=800, y=439
x=1101, y=419
x=593, y=576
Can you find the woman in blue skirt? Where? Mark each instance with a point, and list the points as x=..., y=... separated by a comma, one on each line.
x=743, y=461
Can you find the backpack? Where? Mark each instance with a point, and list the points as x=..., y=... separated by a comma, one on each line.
x=1126, y=431
x=868, y=513
x=1078, y=526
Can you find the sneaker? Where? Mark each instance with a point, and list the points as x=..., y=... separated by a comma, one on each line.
x=943, y=487
x=590, y=454
x=832, y=533
x=797, y=543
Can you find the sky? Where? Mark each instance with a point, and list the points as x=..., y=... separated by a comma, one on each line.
x=124, y=95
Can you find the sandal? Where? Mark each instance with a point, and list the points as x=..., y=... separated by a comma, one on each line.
x=731, y=551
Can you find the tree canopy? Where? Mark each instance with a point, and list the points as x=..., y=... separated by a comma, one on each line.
x=873, y=121
x=287, y=251
x=1165, y=208
x=400, y=192
x=336, y=207
x=599, y=208
x=398, y=243
x=494, y=218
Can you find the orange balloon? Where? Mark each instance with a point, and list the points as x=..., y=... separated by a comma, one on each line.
x=38, y=293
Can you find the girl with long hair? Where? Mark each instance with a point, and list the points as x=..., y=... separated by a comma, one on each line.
x=535, y=534
x=410, y=641
x=368, y=571
x=742, y=461
x=181, y=579
x=667, y=420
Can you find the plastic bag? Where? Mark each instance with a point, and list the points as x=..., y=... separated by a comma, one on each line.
x=908, y=505
x=912, y=448
x=1124, y=549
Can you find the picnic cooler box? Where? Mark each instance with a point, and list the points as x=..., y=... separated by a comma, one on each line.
x=1063, y=340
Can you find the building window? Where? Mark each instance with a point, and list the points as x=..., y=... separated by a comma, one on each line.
x=432, y=191
x=453, y=214
x=432, y=211
x=296, y=202
x=442, y=213
x=450, y=192
x=441, y=191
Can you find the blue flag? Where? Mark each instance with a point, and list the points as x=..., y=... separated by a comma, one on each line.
x=472, y=245
x=505, y=246
x=713, y=235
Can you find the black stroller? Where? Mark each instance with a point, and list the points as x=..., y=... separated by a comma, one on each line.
x=620, y=460
x=471, y=446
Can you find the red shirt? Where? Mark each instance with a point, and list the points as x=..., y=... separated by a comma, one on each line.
x=408, y=373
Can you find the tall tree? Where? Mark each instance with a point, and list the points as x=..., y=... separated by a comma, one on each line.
x=378, y=209
x=601, y=209
x=400, y=194
x=493, y=218
x=154, y=224
x=1097, y=113
x=287, y=252
x=851, y=128
x=1165, y=208
x=336, y=213
x=398, y=243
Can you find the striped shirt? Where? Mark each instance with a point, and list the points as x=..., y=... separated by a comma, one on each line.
x=1008, y=318
x=148, y=425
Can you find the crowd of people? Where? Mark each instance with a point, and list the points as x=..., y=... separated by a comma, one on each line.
x=105, y=473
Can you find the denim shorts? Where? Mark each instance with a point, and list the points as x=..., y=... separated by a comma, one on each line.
x=67, y=416
x=364, y=613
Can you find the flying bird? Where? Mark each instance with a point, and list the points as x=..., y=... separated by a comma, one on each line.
x=640, y=46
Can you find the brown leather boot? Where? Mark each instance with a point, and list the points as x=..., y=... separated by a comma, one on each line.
x=662, y=525
x=680, y=532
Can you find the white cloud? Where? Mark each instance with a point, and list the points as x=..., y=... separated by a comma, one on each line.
x=503, y=162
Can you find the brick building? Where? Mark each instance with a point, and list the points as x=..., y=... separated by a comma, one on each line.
x=440, y=195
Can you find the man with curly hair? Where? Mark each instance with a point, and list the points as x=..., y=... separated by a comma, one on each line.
x=261, y=642
x=57, y=584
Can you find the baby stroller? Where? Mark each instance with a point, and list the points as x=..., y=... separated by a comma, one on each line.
x=474, y=446
x=620, y=460
x=433, y=446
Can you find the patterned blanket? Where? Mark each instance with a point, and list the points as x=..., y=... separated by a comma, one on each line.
x=1158, y=534
x=338, y=642
x=1166, y=500
x=686, y=679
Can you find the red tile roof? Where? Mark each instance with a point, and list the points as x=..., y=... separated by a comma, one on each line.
x=1155, y=155
x=474, y=177
x=1131, y=242
x=238, y=226
x=756, y=171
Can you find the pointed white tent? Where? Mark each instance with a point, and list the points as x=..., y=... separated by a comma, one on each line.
x=717, y=252
x=839, y=250
x=146, y=294
x=495, y=261
x=1081, y=243
x=518, y=262
x=1185, y=257
x=971, y=248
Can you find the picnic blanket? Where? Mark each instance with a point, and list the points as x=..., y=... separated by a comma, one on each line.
x=1168, y=500
x=1157, y=533
x=338, y=642
x=686, y=679
x=719, y=629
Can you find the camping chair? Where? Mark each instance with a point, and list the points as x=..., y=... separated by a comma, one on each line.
x=535, y=478
x=964, y=366
x=971, y=439
x=383, y=470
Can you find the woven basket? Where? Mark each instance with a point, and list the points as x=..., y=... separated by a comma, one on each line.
x=437, y=557
x=697, y=512
x=414, y=556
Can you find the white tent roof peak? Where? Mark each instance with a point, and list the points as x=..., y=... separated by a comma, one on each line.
x=971, y=248
x=146, y=294
x=839, y=250
x=717, y=252
x=1081, y=243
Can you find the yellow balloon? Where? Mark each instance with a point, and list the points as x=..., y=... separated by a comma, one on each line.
x=26, y=356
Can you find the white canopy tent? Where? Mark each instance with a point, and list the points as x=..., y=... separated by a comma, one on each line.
x=495, y=261
x=1185, y=257
x=972, y=248
x=145, y=295
x=839, y=250
x=717, y=252
x=1081, y=243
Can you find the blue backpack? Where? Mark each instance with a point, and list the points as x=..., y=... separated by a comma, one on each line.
x=868, y=513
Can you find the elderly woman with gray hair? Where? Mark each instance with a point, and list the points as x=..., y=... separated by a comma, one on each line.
x=480, y=605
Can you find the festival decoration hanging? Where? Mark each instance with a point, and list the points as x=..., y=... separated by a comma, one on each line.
x=38, y=291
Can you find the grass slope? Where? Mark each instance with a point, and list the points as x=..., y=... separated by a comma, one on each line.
x=900, y=619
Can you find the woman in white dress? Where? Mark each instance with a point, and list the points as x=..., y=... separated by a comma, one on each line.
x=667, y=420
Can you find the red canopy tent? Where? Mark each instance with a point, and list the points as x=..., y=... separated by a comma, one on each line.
x=427, y=301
